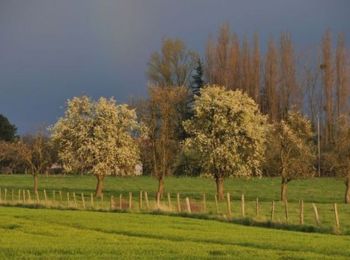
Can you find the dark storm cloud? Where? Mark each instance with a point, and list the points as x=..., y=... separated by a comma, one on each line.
x=53, y=50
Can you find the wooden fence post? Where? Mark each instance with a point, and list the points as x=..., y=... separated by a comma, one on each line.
x=204, y=203
x=54, y=195
x=229, y=213
x=92, y=200
x=257, y=207
x=272, y=210
x=169, y=201
x=178, y=202
x=140, y=200
x=316, y=214
x=29, y=197
x=83, y=200
x=188, y=205
x=68, y=199
x=19, y=195
x=60, y=192
x=216, y=204
x=130, y=200
x=158, y=200
x=301, y=217
x=24, y=195
x=12, y=195
x=286, y=210
x=5, y=195
x=337, y=224
x=75, y=200
x=0, y=195
x=112, y=203
x=243, y=206
x=45, y=196
x=120, y=201
x=146, y=199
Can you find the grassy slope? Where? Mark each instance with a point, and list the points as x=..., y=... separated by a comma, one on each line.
x=80, y=234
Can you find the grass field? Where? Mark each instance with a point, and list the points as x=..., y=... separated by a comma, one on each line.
x=52, y=233
x=48, y=234
x=322, y=191
x=318, y=190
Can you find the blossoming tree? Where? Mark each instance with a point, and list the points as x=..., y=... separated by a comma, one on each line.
x=228, y=132
x=97, y=137
x=295, y=150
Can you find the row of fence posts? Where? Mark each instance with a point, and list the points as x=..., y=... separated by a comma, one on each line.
x=25, y=196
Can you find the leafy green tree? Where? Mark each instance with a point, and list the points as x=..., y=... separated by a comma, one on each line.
x=97, y=137
x=228, y=132
x=7, y=130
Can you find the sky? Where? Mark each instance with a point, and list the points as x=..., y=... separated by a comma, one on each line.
x=53, y=50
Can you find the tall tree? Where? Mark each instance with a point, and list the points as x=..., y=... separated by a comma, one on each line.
x=342, y=82
x=312, y=89
x=328, y=86
x=173, y=65
x=290, y=95
x=222, y=55
x=270, y=102
x=228, y=132
x=97, y=137
x=163, y=119
x=245, y=65
x=7, y=130
x=197, y=79
x=222, y=59
x=255, y=70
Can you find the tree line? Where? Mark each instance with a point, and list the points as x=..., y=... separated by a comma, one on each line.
x=233, y=112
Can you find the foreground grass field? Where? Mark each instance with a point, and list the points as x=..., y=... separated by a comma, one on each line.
x=322, y=191
x=28, y=233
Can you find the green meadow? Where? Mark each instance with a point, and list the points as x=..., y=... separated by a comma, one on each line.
x=67, y=231
x=65, y=234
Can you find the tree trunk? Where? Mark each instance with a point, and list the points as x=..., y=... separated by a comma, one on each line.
x=284, y=189
x=99, y=186
x=161, y=186
x=35, y=188
x=220, y=188
x=347, y=190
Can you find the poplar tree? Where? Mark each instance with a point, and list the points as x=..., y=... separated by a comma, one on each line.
x=270, y=102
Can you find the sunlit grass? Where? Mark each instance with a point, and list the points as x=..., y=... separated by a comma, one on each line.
x=321, y=191
x=27, y=233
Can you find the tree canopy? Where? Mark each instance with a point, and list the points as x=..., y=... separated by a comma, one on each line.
x=173, y=65
x=295, y=149
x=96, y=137
x=228, y=132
